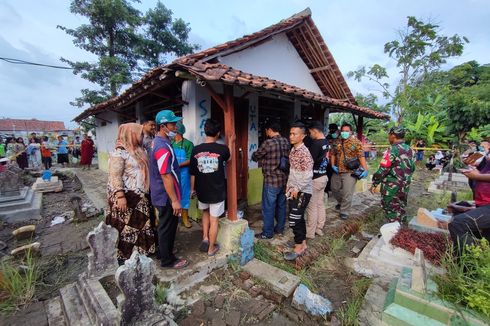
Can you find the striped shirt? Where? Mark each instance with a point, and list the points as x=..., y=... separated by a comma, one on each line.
x=162, y=161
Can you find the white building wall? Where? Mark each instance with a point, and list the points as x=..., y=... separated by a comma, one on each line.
x=196, y=112
x=277, y=59
x=106, y=135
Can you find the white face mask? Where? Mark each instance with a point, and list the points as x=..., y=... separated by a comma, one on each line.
x=170, y=134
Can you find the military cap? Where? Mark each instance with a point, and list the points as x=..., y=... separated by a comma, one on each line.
x=398, y=131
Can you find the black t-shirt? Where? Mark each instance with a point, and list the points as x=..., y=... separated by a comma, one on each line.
x=318, y=150
x=208, y=166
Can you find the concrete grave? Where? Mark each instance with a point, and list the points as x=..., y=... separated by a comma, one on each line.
x=51, y=185
x=443, y=184
x=427, y=221
x=314, y=304
x=405, y=305
x=280, y=281
x=24, y=206
x=103, y=256
x=419, y=273
x=137, y=305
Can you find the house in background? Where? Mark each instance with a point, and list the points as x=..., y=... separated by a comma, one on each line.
x=284, y=72
x=24, y=127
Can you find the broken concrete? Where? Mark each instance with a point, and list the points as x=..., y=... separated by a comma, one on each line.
x=33, y=248
x=229, y=234
x=419, y=273
x=314, y=304
x=279, y=281
x=51, y=185
x=246, y=247
x=103, y=256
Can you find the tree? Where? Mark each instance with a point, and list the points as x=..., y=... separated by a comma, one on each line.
x=418, y=51
x=469, y=98
x=125, y=43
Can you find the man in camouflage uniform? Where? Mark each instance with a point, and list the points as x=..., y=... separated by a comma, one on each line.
x=395, y=175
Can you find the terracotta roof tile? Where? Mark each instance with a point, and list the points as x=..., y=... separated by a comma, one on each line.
x=31, y=125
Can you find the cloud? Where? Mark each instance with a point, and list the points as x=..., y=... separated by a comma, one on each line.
x=9, y=16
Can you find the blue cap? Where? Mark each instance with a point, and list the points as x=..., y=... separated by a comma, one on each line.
x=166, y=116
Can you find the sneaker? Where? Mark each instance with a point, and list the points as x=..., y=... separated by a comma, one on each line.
x=337, y=207
x=204, y=246
x=262, y=236
x=319, y=232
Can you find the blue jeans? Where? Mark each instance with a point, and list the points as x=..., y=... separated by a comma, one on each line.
x=420, y=156
x=273, y=208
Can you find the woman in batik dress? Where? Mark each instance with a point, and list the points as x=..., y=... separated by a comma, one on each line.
x=128, y=187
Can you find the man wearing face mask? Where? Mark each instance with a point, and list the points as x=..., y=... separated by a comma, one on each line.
x=165, y=187
x=346, y=156
x=395, y=175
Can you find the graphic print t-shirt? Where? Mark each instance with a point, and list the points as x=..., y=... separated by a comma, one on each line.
x=208, y=167
x=318, y=150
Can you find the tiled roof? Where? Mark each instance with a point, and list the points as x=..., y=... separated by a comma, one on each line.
x=306, y=38
x=228, y=75
x=303, y=34
x=31, y=125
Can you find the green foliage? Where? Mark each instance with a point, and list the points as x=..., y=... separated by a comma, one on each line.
x=419, y=50
x=161, y=292
x=125, y=42
x=428, y=128
x=19, y=283
x=467, y=281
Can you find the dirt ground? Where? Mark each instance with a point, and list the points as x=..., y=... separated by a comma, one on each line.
x=63, y=246
x=235, y=297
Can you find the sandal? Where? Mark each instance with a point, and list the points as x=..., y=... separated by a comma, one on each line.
x=204, y=246
x=178, y=264
x=215, y=250
x=292, y=255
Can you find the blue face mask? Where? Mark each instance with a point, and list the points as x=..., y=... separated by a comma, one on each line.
x=345, y=134
x=334, y=135
x=171, y=134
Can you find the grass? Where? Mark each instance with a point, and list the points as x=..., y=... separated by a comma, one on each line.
x=466, y=282
x=18, y=282
x=348, y=313
x=161, y=292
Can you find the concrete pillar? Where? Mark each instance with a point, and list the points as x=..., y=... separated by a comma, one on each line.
x=138, y=110
x=197, y=110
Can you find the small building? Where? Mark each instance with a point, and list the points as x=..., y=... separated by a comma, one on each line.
x=283, y=72
x=24, y=127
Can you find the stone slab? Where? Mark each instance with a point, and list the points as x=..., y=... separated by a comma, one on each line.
x=424, y=217
x=22, y=195
x=422, y=228
x=24, y=214
x=54, y=185
x=54, y=312
x=73, y=308
x=280, y=281
x=229, y=234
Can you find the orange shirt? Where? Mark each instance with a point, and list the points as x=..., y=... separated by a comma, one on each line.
x=352, y=148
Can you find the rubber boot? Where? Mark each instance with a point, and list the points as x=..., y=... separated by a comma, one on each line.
x=185, y=218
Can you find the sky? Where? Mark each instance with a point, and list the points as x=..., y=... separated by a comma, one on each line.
x=354, y=30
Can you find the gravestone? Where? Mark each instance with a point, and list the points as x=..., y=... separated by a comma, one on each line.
x=135, y=279
x=11, y=181
x=246, y=247
x=103, y=256
x=51, y=185
x=76, y=204
x=314, y=304
x=419, y=273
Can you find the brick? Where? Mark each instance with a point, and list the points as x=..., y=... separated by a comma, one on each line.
x=219, y=301
x=217, y=321
x=267, y=311
x=244, y=275
x=198, y=308
x=247, y=284
x=292, y=314
x=273, y=296
x=424, y=217
x=255, y=291
x=233, y=318
x=193, y=321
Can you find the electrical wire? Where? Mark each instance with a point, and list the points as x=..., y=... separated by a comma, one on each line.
x=23, y=62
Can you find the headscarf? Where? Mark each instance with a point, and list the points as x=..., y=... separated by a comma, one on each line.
x=129, y=138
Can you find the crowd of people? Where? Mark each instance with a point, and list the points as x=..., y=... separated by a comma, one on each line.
x=38, y=152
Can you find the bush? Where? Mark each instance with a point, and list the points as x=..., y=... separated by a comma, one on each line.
x=467, y=280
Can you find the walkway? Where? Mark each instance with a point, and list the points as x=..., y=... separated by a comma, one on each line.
x=94, y=182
